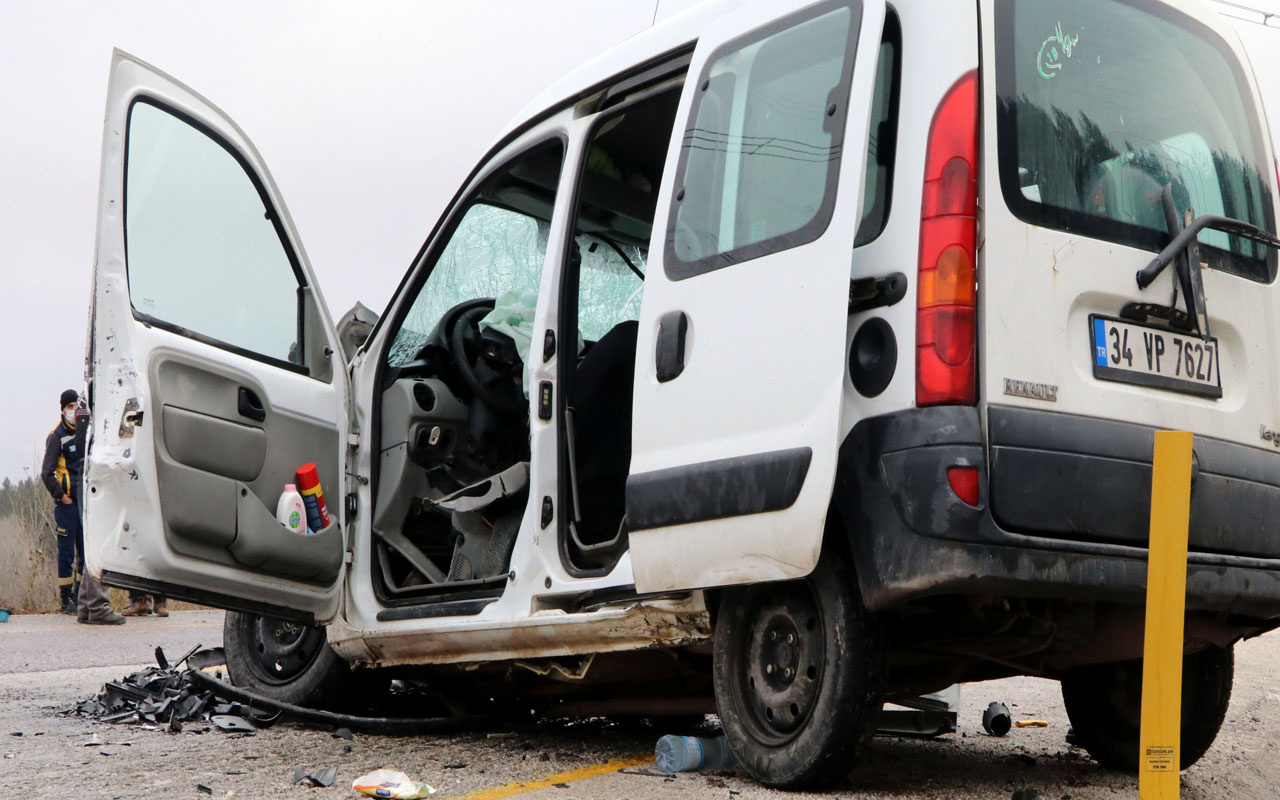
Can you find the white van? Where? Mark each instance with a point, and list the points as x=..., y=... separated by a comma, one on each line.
x=787, y=359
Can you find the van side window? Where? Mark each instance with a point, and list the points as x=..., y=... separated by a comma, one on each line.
x=198, y=231
x=760, y=158
x=882, y=135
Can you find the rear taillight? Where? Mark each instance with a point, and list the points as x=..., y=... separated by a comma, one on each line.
x=947, y=295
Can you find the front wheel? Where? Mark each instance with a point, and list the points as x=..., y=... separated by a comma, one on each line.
x=1104, y=705
x=797, y=670
x=282, y=660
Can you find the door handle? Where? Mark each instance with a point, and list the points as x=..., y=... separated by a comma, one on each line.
x=673, y=328
x=249, y=405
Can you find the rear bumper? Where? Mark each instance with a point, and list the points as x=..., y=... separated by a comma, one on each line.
x=1063, y=511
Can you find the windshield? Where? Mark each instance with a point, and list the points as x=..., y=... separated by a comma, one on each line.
x=1101, y=103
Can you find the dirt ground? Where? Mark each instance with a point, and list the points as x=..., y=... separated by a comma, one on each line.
x=68, y=757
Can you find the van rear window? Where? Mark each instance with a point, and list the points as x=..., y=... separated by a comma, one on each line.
x=1101, y=103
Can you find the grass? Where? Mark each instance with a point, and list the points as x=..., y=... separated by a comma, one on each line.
x=29, y=553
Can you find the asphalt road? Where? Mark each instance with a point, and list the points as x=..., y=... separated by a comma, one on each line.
x=42, y=642
x=48, y=662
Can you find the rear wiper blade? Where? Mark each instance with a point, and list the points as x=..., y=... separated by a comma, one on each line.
x=1184, y=247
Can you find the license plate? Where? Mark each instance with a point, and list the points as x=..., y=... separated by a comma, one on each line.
x=1137, y=354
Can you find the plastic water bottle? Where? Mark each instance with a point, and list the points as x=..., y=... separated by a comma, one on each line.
x=693, y=754
x=290, y=512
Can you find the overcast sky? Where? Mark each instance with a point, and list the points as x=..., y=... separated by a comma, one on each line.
x=369, y=115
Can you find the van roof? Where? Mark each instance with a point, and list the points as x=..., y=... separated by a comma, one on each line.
x=679, y=30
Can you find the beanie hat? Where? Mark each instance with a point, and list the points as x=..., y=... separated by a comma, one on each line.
x=68, y=397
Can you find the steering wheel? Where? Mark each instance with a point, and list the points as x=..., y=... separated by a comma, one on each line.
x=460, y=325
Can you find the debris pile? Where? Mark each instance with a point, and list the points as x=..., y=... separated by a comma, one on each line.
x=167, y=696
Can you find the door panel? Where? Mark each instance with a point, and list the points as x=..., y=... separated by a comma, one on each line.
x=739, y=368
x=211, y=369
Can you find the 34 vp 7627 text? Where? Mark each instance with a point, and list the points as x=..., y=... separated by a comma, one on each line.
x=1193, y=358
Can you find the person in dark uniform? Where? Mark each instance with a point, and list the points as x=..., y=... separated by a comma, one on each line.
x=60, y=472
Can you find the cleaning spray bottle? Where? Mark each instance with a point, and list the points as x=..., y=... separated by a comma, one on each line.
x=290, y=511
x=313, y=498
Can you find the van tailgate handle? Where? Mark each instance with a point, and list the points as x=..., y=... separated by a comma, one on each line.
x=673, y=328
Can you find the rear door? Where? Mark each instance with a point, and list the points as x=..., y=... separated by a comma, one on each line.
x=1090, y=110
x=214, y=371
x=742, y=327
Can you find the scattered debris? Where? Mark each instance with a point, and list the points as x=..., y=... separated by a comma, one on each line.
x=200, y=787
x=15, y=733
x=4, y=614
x=168, y=696
x=209, y=657
x=226, y=722
x=1031, y=723
x=996, y=719
x=501, y=735
x=457, y=765
x=392, y=784
x=316, y=780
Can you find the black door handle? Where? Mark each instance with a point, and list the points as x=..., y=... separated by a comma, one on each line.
x=249, y=405
x=669, y=358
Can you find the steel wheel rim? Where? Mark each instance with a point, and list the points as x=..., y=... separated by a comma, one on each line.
x=283, y=650
x=783, y=648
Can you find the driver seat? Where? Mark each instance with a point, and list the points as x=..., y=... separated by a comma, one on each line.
x=601, y=419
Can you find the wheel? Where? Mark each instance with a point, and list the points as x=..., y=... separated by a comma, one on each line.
x=281, y=660
x=797, y=671
x=1104, y=705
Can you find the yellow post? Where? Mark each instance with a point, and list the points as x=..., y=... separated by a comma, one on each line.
x=1159, y=739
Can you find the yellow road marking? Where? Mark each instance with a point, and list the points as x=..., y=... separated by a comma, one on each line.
x=113, y=627
x=1160, y=731
x=582, y=773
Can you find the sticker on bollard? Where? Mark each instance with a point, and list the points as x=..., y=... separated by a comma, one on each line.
x=1160, y=759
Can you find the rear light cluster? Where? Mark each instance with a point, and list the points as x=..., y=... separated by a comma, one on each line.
x=947, y=299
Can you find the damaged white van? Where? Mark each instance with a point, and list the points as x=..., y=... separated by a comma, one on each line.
x=790, y=358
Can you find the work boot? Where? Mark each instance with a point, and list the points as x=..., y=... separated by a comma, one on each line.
x=109, y=618
x=138, y=608
x=162, y=608
x=69, y=607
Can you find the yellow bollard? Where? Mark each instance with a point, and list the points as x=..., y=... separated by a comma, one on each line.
x=1160, y=735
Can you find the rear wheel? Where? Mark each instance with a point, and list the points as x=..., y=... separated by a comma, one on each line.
x=1104, y=704
x=797, y=676
x=282, y=660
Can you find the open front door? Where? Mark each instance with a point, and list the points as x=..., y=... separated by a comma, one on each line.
x=214, y=372
x=740, y=361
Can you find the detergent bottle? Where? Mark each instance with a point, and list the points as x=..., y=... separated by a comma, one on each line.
x=290, y=511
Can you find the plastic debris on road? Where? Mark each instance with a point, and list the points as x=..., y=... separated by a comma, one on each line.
x=392, y=784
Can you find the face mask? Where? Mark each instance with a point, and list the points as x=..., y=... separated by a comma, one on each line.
x=70, y=416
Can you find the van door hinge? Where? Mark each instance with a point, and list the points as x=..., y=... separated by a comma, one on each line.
x=352, y=506
x=353, y=441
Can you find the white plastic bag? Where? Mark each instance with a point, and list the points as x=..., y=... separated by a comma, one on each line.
x=392, y=784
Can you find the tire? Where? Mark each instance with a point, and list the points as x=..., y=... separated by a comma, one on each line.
x=803, y=728
x=1104, y=705
x=282, y=660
